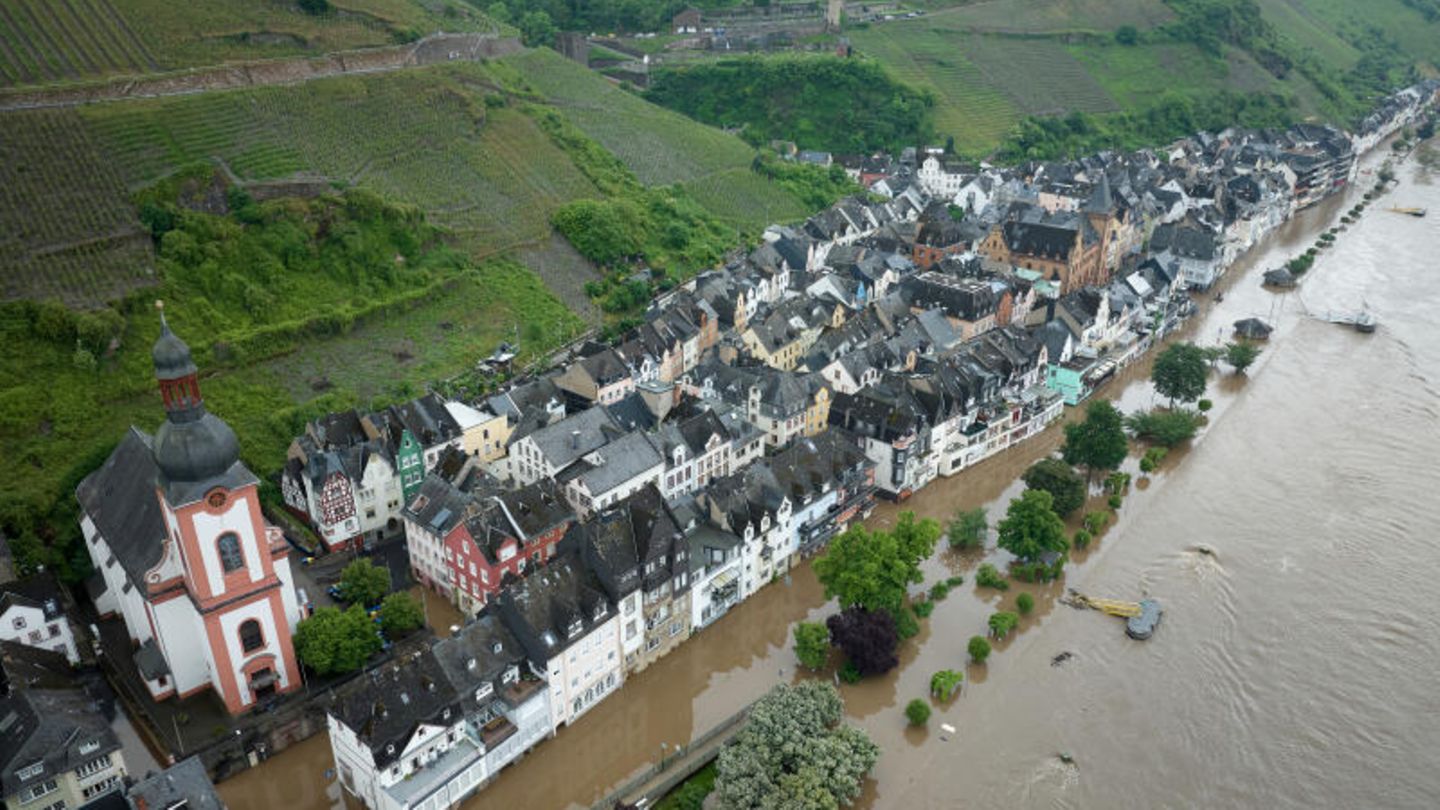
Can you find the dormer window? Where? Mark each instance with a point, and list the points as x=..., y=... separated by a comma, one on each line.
x=484, y=690
x=512, y=674
x=599, y=611
x=574, y=629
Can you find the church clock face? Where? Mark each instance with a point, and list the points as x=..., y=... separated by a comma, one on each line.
x=216, y=499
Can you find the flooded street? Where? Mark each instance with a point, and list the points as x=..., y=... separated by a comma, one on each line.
x=1290, y=669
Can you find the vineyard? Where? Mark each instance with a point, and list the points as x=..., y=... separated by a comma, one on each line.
x=1052, y=16
x=1039, y=76
x=424, y=137
x=967, y=106
x=67, y=230
x=48, y=41
x=660, y=146
x=742, y=198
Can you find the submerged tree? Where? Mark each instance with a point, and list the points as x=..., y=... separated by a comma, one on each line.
x=873, y=569
x=1180, y=372
x=1031, y=528
x=1241, y=355
x=867, y=637
x=1097, y=442
x=1054, y=476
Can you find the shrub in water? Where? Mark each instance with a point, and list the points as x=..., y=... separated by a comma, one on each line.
x=1082, y=538
x=1024, y=603
x=939, y=591
x=849, y=673
x=1205, y=405
x=955, y=581
x=1095, y=521
x=917, y=712
x=1002, y=622
x=923, y=609
x=988, y=577
x=979, y=649
x=1115, y=501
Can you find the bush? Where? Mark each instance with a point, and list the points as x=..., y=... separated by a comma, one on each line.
x=906, y=626
x=1024, y=603
x=987, y=576
x=1127, y=35
x=1082, y=538
x=923, y=609
x=1116, y=482
x=955, y=581
x=1095, y=521
x=968, y=530
x=1164, y=427
x=1204, y=405
x=939, y=591
x=1115, y=501
x=979, y=649
x=944, y=683
x=849, y=673
x=1002, y=622
x=917, y=712
x=812, y=644
x=1066, y=487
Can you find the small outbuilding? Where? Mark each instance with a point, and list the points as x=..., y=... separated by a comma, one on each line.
x=1252, y=329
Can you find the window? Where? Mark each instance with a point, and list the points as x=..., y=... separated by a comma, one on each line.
x=37, y=791
x=102, y=786
x=230, y=557
x=94, y=766
x=30, y=771
x=251, y=638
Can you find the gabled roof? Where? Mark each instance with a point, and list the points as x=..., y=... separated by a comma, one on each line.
x=389, y=704
x=185, y=781
x=120, y=499
x=58, y=729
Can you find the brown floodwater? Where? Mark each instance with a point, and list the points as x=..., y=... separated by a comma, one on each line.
x=1295, y=663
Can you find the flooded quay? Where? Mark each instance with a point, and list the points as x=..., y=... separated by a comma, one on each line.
x=1292, y=668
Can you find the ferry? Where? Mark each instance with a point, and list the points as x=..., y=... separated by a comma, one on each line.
x=1414, y=212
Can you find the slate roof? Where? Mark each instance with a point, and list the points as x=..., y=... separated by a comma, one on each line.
x=387, y=705
x=618, y=462
x=26, y=667
x=479, y=654
x=185, y=781
x=35, y=591
x=49, y=726
x=1035, y=239
x=545, y=607
x=559, y=443
x=119, y=498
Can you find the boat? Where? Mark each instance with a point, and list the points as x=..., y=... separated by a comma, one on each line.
x=1143, y=626
x=1414, y=212
x=1365, y=323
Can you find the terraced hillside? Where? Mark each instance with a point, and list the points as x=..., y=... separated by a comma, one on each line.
x=993, y=62
x=50, y=41
x=660, y=146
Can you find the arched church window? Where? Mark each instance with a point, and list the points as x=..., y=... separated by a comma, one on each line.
x=230, y=557
x=251, y=638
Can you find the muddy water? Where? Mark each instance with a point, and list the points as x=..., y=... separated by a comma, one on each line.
x=1292, y=666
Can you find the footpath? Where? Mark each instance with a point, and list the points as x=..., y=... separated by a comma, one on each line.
x=658, y=779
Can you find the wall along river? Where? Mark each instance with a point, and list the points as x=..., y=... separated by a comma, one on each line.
x=1294, y=666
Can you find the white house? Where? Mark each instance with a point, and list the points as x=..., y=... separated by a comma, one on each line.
x=31, y=614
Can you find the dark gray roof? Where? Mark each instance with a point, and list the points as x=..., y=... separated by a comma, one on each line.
x=49, y=727
x=386, y=706
x=119, y=498
x=553, y=607
x=170, y=355
x=617, y=462
x=26, y=667
x=575, y=436
x=36, y=591
x=197, y=454
x=185, y=781
x=150, y=661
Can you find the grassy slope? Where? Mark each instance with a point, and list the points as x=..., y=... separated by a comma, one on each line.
x=44, y=41
x=991, y=63
x=660, y=146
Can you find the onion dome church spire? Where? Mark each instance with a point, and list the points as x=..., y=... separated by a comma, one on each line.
x=193, y=445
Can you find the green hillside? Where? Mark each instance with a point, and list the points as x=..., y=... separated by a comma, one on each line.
x=50, y=41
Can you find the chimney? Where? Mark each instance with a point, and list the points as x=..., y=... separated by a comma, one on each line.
x=574, y=440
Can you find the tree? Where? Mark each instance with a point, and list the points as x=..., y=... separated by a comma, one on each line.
x=399, y=614
x=332, y=642
x=968, y=529
x=1024, y=603
x=1002, y=622
x=988, y=576
x=872, y=569
x=1180, y=372
x=1166, y=428
x=1097, y=442
x=1241, y=355
x=794, y=752
x=978, y=648
x=1031, y=527
x=498, y=12
x=868, y=638
x=1127, y=35
x=917, y=712
x=944, y=683
x=1066, y=487
x=536, y=28
x=812, y=644
x=364, y=582
x=314, y=7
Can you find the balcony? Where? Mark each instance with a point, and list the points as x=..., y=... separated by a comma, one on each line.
x=497, y=731
x=517, y=693
x=414, y=789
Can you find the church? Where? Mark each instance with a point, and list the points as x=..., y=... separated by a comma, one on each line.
x=183, y=554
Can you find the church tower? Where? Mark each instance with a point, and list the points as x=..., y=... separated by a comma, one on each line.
x=234, y=565
x=1099, y=210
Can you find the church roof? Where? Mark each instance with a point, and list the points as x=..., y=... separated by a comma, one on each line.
x=119, y=498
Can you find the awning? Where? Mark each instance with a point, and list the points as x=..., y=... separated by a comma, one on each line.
x=263, y=680
x=724, y=578
x=151, y=662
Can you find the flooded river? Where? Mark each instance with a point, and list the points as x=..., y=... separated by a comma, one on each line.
x=1293, y=667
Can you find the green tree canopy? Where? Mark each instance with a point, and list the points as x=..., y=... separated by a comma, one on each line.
x=812, y=644
x=917, y=712
x=873, y=569
x=1180, y=372
x=1097, y=442
x=331, y=642
x=400, y=613
x=1066, y=487
x=1031, y=527
x=944, y=683
x=969, y=528
x=1002, y=622
x=978, y=648
x=794, y=752
x=1166, y=428
x=363, y=582
x=1241, y=355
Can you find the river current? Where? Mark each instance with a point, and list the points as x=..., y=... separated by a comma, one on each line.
x=1295, y=666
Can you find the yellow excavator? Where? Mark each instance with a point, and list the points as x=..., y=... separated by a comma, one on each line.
x=1141, y=617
